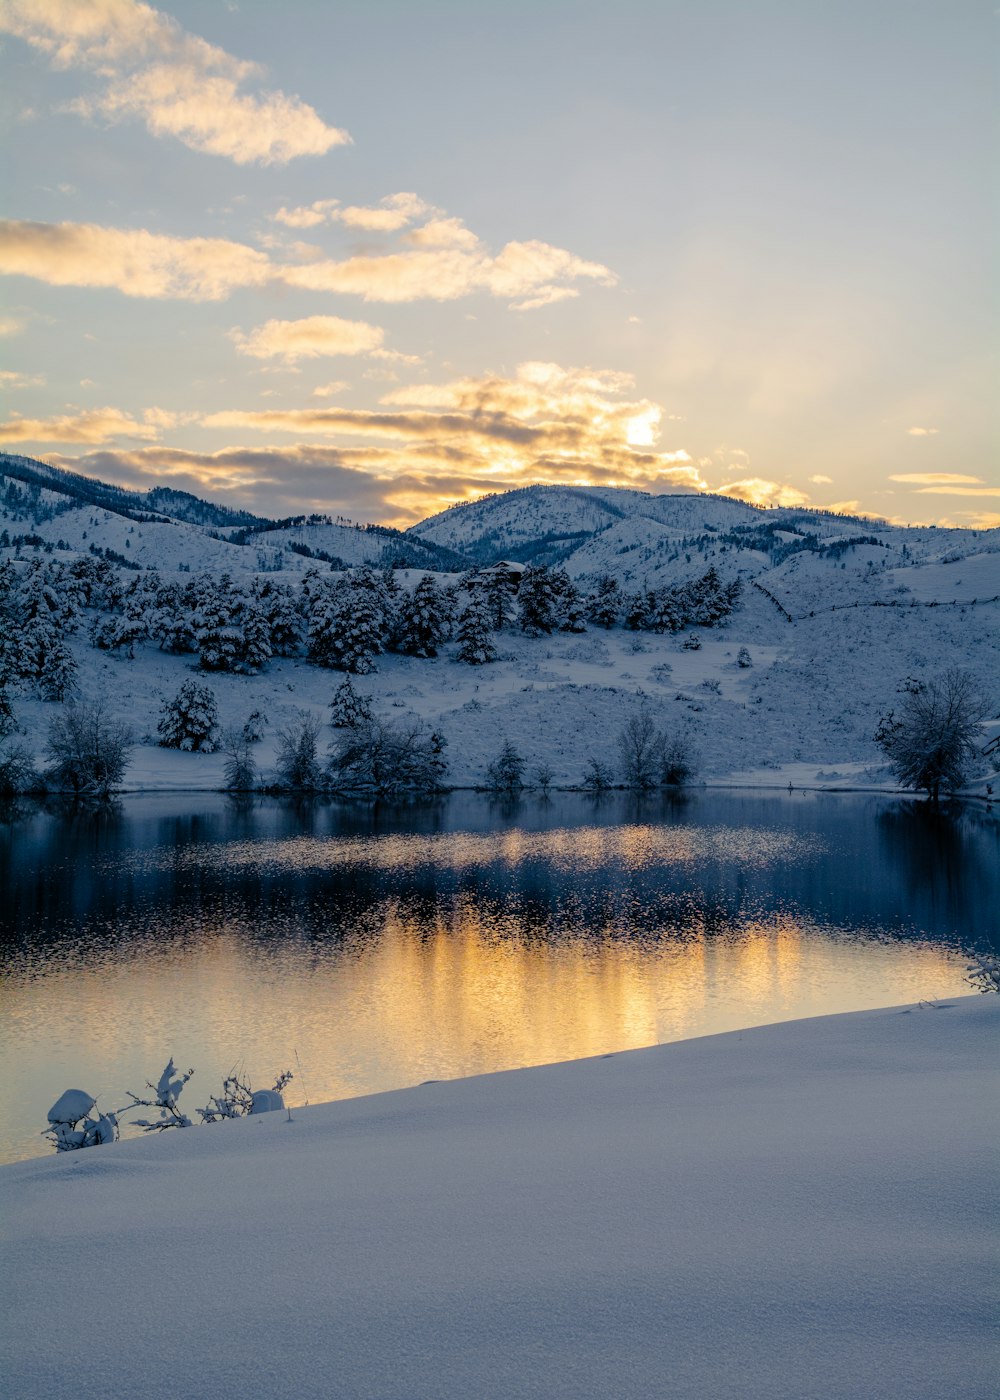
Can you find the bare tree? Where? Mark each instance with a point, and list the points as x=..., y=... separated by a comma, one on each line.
x=677, y=763
x=88, y=748
x=640, y=747
x=241, y=767
x=933, y=742
x=298, y=763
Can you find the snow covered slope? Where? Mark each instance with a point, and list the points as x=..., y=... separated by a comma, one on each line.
x=174, y=530
x=800, y=1210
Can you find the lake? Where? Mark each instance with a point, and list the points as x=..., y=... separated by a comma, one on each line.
x=374, y=947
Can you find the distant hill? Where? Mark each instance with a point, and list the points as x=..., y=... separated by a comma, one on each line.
x=169, y=529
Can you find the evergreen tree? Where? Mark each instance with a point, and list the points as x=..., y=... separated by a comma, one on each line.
x=58, y=673
x=255, y=651
x=217, y=627
x=346, y=624
x=423, y=619
x=605, y=601
x=506, y=772
x=278, y=603
x=191, y=720
x=475, y=632
x=568, y=604
x=348, y=709
x=496, y=591
x=537, y=608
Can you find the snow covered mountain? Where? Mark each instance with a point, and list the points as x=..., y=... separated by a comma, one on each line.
x=833, y=615
x=174, y=530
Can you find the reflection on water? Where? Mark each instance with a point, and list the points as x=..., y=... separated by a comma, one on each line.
x=377, y=947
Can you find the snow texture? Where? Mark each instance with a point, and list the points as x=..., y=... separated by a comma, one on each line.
x=801, y=1210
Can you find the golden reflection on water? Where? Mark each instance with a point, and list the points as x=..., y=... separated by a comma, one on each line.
x=465, y=996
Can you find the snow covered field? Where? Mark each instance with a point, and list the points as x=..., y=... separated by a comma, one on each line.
x=801, y=1210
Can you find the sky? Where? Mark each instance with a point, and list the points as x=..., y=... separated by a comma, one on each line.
x=374, y=257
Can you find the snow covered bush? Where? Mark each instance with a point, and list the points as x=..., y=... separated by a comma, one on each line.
x=933, y=743
x=166, y=1091
x=190, y=720
x=506, y=772
x=72, y=1124
x=88, y=749
x=297, y=762
x=239, y=1100
x=743, y=658
x=984, y=972
x=256, y=724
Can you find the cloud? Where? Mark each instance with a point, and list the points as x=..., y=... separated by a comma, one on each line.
x=133, y=261
x=10, y=325
x=174, y=82
x=936, y=478
x=143, y=264
x=390, y=215
x=545, y=296
x=93, y=426
x=546, y=424
x=308, y=216
x=760, y=492
x=519, y=271
x=13, y=379
x=308, y=338
x=922, y=432
x=442, y=233
x=326, y=391
x=958, y=491
x=820, y=480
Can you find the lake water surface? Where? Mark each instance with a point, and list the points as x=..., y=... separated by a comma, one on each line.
x=369, y=948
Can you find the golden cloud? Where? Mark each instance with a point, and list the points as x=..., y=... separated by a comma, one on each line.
x=958, y=491
x=548, y=424
x=14, y=379
x=174, y=82
x=519, y=270
x=922, y=432
x=133, y=261
x=143, y=264
x=760, y=492
x=936, y=478
x=93, y=426
x=308, y=338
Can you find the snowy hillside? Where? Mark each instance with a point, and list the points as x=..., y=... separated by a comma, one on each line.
x=176, y=531
x=822, y=619
x=646, y=539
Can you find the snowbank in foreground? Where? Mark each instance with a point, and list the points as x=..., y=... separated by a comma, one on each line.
x=801, y=1210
